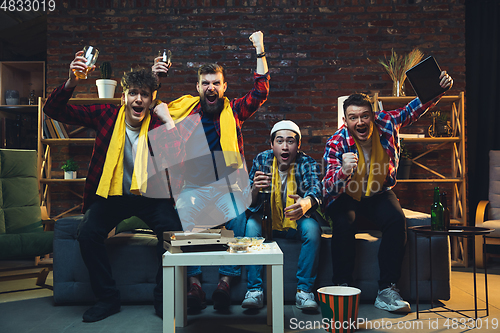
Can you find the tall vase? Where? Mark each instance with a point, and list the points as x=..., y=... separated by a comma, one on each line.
x=397, y=88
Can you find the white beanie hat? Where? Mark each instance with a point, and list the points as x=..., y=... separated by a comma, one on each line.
x=286, y=125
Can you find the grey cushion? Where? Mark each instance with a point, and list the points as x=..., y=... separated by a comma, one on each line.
x=492, y=224
x=133, y=262
x=494, y=185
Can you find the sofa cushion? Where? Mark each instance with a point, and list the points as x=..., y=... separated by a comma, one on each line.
x=25, y=245
x=492, y=224
x=21, y=229
x=494, y=185
x=414, y=218
x=134, y=265
x=17, y=163
x=22, y=219
x=131, y=224
x=133, y=261
x=19, y=200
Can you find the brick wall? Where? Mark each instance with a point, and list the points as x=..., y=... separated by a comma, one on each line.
x=316, y=51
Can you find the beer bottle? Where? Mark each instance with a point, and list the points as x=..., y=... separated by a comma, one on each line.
x=166, y=56
x=267, y=221
x=32, y=98
x=446, y=211
x=437, y=212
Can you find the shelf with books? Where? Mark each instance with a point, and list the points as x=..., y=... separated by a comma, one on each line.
x=53, y=138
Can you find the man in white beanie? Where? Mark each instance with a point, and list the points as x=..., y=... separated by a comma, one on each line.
x=295, y=184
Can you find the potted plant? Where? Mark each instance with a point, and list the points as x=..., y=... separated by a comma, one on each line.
x=404, y=162
x=105, y=86
x=440, y=125
x=397, y=66
x=70, y=168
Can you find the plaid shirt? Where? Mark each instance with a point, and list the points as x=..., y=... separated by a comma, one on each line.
x=243, y=108
x=388, y=124
x=101, y=118
x=307, y=175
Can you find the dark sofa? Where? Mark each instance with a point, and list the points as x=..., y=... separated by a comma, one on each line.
x=134, y=264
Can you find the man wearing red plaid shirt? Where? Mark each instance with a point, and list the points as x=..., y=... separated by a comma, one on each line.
x=213, y=177
x=120, y=172
x=361, y=159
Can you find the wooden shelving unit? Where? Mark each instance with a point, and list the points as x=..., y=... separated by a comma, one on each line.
x=22, y=76
x=44, y=162
x=458, y=173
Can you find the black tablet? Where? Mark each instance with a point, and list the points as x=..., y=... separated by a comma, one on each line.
x=424, y=78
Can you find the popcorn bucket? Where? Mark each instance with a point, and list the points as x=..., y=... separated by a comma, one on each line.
x=339, y=308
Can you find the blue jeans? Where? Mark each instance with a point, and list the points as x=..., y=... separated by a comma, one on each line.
x=238, y=226
x=211, y=205
x=309, y=232
x=195, y=205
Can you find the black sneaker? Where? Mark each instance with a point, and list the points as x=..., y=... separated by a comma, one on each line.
x=100, y=311
x=222, y=296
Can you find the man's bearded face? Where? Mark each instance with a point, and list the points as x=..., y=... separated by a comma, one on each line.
x=211, y=88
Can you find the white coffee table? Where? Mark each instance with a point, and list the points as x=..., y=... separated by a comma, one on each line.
x=174, y=281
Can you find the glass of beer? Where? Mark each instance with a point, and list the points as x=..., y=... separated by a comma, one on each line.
x=267, y=170
x=90, y=53
x=165, y=56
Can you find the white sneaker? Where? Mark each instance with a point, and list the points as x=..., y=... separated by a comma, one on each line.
x=254, y=299
x=305, y=301
x=389, y=299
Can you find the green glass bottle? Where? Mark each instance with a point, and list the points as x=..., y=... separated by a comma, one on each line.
x=446, y=211
x=437, y=222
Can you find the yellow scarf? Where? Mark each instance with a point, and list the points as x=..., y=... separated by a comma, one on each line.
x=182, y=107
x=111, y=182
x=379, y=165
x=279, y=221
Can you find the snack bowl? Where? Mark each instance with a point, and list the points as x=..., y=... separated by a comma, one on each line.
x=243, y=240
x=240, y=247
x=256, y=241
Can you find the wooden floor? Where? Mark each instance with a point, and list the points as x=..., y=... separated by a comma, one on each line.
x=26, y=307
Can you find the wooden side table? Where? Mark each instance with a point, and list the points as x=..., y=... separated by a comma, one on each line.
x=460, y=231
x=174, y=282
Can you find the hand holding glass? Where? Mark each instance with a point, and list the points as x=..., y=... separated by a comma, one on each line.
x=90, y=53
x=267, y=170
x=166, y=57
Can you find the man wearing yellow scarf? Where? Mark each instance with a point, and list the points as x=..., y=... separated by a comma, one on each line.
x=361, y=160
x=295, y=193
x=117, y=177
x=211, y=168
